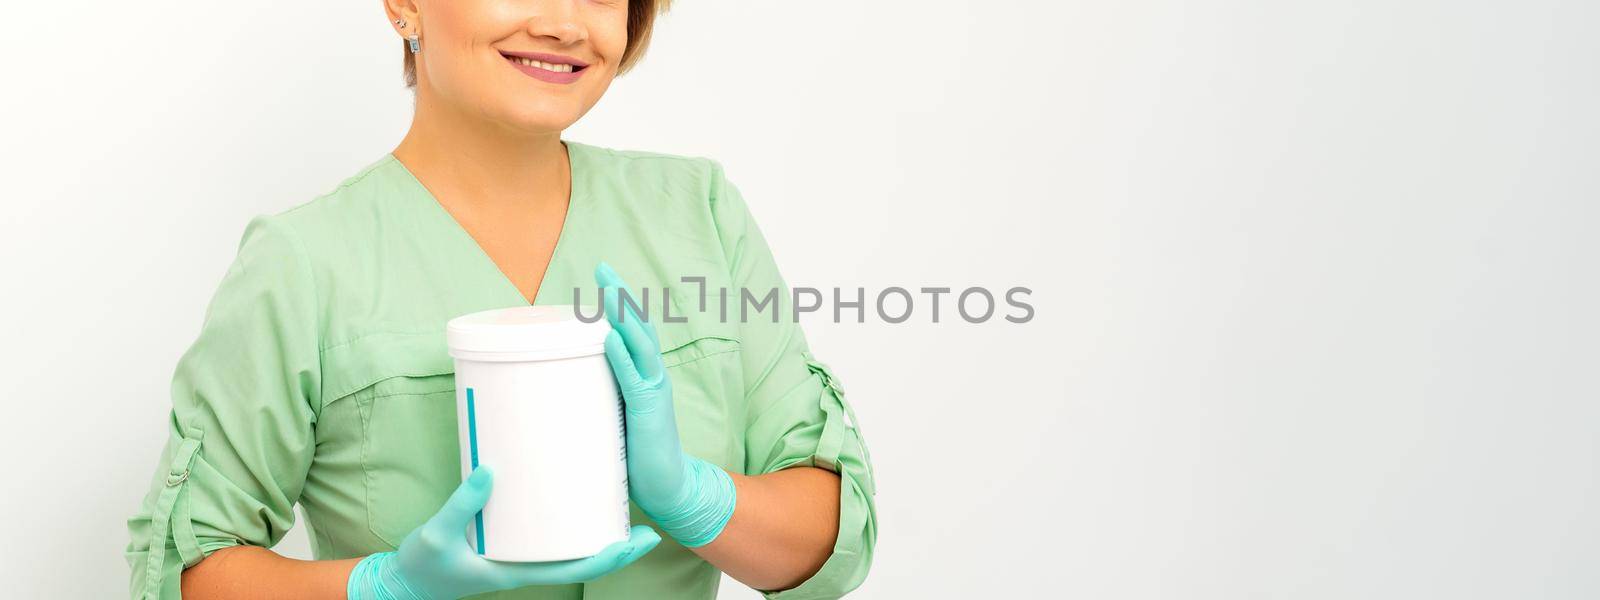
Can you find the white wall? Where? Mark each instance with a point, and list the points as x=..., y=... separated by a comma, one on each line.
x=1314, y=280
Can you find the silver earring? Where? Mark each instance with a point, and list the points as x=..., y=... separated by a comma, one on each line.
x=415, y=47
x=401, y=23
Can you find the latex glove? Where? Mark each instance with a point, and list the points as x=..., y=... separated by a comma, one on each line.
x=435, y=562
x=689, y=498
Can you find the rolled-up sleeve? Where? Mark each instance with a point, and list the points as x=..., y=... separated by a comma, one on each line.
x=797, y=411
x=240, y=433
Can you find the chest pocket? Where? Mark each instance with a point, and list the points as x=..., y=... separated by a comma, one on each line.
x=703, y=360
x=403, y=386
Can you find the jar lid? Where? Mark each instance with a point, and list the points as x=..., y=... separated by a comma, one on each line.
x=525, y=333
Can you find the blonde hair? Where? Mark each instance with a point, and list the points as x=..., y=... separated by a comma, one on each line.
x=641, y=20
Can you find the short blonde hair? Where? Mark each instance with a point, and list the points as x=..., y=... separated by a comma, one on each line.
x=641, y=20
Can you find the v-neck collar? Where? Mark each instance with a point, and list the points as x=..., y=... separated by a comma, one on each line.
x=577, y=195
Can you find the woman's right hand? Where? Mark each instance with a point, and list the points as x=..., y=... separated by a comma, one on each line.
x=435, y=562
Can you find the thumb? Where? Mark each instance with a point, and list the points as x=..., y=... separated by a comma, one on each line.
x=466, y=502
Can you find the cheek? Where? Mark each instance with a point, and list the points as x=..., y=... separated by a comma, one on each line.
x=446, y=40
x=609, y=35
x=459, y=33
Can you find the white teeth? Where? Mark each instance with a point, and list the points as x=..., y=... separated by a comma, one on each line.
x=557, y=68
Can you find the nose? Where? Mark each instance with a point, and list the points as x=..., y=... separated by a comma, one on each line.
x=556, y=20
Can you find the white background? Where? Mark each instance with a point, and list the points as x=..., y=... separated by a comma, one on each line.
x=1315, y=282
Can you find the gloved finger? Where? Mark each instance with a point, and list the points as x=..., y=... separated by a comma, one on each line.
x=648, y=425
x=607, y=277
x=643, y=349
x=468, y=499
x=641, y=539
x=622, y=363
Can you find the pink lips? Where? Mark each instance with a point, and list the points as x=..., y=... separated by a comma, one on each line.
x=544, y=74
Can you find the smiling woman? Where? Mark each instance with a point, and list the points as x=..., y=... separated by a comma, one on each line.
x=641, y=22
x=321, y=378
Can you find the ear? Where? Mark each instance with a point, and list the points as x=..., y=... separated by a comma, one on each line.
x=406, y=10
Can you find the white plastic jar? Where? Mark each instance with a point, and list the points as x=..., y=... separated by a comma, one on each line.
x=537, y=402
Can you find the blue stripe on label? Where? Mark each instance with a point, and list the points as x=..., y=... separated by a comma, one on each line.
x=472, y=442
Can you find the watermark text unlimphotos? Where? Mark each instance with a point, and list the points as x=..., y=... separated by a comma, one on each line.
x=892, y=304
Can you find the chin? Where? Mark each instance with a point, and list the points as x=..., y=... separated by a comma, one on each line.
x=540, y=117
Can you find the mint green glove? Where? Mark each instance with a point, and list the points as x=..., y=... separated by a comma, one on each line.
x=435, y=562
x=689, y=498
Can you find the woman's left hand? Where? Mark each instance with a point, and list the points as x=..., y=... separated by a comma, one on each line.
x=689, y=498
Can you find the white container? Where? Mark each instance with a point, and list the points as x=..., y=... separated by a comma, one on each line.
x=537, y=403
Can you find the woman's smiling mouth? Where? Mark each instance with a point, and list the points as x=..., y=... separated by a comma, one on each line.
x=553, y=68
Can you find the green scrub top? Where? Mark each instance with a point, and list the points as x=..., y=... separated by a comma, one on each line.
x=320, y=375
